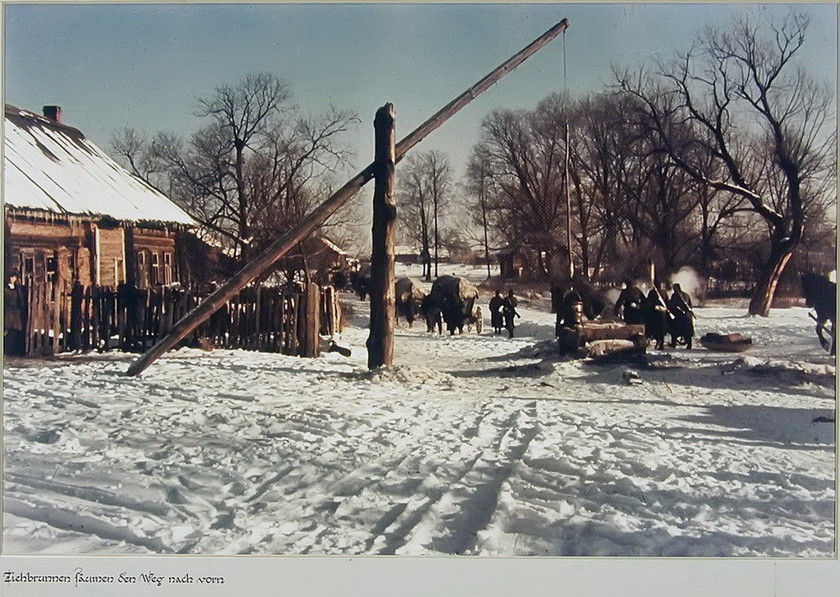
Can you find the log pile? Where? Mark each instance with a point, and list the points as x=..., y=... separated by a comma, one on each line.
x=592, y=339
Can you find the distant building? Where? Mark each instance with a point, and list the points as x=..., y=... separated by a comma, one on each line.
x=73, y=214
x=323, y=258
x=511, y=263
x=406, y=254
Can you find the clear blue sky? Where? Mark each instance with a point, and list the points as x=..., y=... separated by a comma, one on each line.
x=145, y=65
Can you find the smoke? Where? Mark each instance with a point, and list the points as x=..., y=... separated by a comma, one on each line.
x=612, y=295
x=691, y=282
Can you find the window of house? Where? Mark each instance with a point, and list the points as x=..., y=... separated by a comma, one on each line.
x=119, y=271
x=27, y=270
x=167, y=268
x=155, y=277
x=71, y=264
x=51, y=267
x=142, y=269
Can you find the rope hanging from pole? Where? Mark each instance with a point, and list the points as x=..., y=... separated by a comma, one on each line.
x=571, y=270
x=565, y=85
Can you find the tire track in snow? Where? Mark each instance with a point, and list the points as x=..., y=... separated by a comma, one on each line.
x=68, y=520
x=89, y=494
x=406, y=516
x=450, y=520
x=412, y=462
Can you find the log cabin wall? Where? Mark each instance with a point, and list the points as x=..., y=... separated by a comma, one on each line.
x=154, y=257
x=104, y=253
x=110, y=256
x=48, y=250
x=75, y=305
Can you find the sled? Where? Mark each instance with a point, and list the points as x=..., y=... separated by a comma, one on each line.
x=726, y=342
x=600, y=338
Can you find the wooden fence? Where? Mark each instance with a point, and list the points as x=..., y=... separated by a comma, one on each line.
x=287, y=319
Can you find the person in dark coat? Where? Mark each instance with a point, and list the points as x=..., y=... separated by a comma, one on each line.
x=629, y=304
x=509, y=312
x=682, y=323
x=656, y=317
x=572, y=309
x=431, y=312
x=496, y=304
x=14, y=317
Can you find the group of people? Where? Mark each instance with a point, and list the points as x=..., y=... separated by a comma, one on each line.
x=503, y=312
x=660, y=316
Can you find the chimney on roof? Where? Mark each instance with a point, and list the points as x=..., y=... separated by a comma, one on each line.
x=53, y=113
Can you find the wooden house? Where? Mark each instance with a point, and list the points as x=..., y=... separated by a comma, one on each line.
x=321, y=256
x=73, y=214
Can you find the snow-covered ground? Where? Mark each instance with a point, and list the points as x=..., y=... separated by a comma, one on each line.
x=471, y=444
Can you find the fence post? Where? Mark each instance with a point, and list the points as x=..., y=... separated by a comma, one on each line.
x=52, y=319
x=310, y=324
x=31, y=318
x=86, y=326
x=76, y=297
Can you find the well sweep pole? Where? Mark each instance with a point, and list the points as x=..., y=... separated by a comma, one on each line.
x=286, y=241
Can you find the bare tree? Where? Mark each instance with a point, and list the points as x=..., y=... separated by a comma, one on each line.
x=602, y=156
x=479, y=185
x=425, y=187
x=254, y=170
x=767, y=126
x=525, y=152
x=415, y=209
x=239, y=117
x=133, y=149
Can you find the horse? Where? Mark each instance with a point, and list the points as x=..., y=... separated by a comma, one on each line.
x=821, y=295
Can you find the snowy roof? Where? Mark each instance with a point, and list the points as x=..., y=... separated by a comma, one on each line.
x=330, y=244
x=409, y=250
x=53, y=167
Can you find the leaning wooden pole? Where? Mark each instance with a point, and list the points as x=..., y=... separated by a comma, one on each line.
x=317, y=217
x=470, y=94
x=380, y=343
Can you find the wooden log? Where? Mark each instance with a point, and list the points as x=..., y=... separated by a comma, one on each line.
x=611, y=348
x=329, y=311
x=310, y=324
x=76, y=318
x=85, y=339
x=32, y=319
x=483, y=85
x=122, y=317
x=166, y=307
x=94, y=317
x=258, y=319
x=292, y=324
x=380, y=343
x=27, y=323
x=277, y=323
x=282, y=314
x=38, y=331
x=55, y=317
x=572, y=339
x=111, y=320
x=284, y=323
x=309, y=223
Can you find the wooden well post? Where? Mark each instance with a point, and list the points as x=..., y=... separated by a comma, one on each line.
x=380, y=343
x=310, y=321
x=285, y=242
